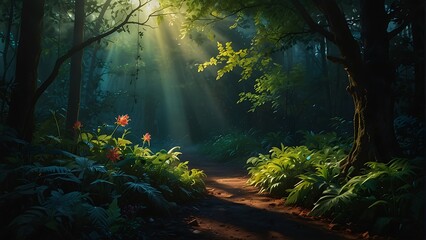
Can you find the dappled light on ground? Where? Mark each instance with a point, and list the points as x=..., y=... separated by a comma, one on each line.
x=235, y=210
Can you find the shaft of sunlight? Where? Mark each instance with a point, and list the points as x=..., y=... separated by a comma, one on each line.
x=168, y=98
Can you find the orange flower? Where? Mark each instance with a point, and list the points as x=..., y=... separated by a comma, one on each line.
x=147, y=138
x=113, y=154
x=122, y=120
x=77, y=125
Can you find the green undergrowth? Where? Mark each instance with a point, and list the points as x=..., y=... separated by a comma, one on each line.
x=102, y=186
x=239, y=145
x=387, y=198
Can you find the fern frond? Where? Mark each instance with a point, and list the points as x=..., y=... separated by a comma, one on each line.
x=333, y=199
x=99, y=217
x=90, y=165
x=62, y=204
x=114, y=212
x=152, y=194
x=120, y=177
x=49, y=169
x=300, y=190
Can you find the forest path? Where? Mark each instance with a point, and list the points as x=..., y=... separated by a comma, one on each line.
x=235, y=210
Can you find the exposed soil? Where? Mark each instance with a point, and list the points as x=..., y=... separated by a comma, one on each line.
x=234, y=210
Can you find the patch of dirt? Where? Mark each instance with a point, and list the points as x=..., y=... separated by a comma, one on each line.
x=234, y=210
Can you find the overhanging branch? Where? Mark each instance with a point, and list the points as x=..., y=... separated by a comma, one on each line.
x=86, y=43
x=311, y=23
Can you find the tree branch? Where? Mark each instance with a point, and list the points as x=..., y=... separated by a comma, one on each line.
x=311, y=23
x=233, y=13
x=84, y=44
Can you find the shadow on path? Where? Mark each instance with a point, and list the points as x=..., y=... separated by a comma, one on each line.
x=234, y=210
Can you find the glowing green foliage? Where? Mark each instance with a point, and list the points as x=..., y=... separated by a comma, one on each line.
x=278, y=171
x=384, y=195
x=231, y=59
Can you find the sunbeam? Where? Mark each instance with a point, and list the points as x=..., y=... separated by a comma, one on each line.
x=168, y=97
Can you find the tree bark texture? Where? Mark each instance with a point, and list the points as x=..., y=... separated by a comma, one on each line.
x=370, y=77
x=20, y=116
x=76, y=67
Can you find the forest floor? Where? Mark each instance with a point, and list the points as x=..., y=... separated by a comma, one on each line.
x=234, y=210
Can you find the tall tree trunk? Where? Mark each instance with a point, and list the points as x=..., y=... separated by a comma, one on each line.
x=76, y=67
x=20, y=116
x=370, y=79
x=370, y=87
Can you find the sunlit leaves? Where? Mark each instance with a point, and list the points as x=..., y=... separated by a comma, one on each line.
x=230, y=59
x=273, y=85
x=278, y=172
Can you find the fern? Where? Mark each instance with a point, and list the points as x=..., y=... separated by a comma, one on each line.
x=84, y=164
x=385, y=195
x=334, y=199
x=62, y=204
x=99, y=217
x=149, y=193
x=307, y=191
x=120, y=178
x=278, y=172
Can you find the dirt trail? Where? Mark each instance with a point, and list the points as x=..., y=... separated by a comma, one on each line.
x=234, y=210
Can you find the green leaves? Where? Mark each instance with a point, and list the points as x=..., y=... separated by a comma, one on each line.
x=382, y=196
x=153, y=195
x=230, y=59
x=278, y=172
x=312, y=184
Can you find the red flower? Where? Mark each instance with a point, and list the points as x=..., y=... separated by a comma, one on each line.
x=122, y=120
x=147, y=138
x=113, y=154
x=77, y=125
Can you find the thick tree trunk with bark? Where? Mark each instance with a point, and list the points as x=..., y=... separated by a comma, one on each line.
x=76, y=67
x=370, y=87
x=370, y=77
x=21, y=116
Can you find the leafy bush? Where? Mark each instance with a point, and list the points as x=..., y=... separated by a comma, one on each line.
x=278, y=171
x=389, y=197
x=95, y=192
x=312, y=183
x=283, y=168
